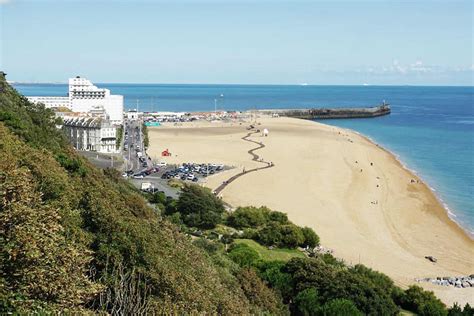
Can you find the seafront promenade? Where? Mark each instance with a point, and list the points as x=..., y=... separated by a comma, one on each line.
x=255, y=157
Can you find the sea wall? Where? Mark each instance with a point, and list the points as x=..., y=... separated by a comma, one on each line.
x=332, y=113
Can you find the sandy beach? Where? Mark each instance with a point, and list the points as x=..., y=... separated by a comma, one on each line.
x=359, y=199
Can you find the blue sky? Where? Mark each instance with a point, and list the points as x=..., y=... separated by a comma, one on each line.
x=274, y=42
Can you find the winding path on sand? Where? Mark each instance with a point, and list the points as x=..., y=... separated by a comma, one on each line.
x=255, y=157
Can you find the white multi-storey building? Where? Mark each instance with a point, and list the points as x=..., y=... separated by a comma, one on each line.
x=83, y=97
x=52, y=102
x=91, y=134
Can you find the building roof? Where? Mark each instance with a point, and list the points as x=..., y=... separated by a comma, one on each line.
x=87, y=122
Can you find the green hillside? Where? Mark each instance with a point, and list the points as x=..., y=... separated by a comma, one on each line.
x=76, y=238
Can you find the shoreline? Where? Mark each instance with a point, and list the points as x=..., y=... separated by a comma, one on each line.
x=318, y=181
x=448, y=213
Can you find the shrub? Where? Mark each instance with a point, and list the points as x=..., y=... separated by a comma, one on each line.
x=272, y=272
x=307, y=302
x=199, y=207
x=259, y=294
x=340, y=307
x=332, y=282
x=243, y=255
x=269, y=235
x=248, y=217
x=275, y=234
x=310, y=238
x=278, y=217
x=422, y=302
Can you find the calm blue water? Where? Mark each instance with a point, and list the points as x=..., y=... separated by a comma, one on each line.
x=431, y=129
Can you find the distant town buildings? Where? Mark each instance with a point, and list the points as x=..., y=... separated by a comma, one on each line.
x=91, y=134
x=85, y=97
x=52, y=102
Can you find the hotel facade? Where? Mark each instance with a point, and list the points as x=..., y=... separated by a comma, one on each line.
x=91, y=134
x=84, y=97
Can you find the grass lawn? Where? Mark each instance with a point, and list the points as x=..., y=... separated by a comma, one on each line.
x=270, y=255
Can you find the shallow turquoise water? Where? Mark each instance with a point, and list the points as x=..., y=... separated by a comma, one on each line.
x=431, y=129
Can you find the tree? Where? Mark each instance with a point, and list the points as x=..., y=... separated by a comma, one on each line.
x=333, y=282
x=259, y=294
x=199, y=207
x=157, y=198
x=269, y=235
x=307, y=302
x=292, y=236
x=340, y=307
x=422, y=302
x=310, y=238
x=468, y=310
x=455, y=310
x=278, y=217
x=248, y=217
x=272, y=272
x=275, y=234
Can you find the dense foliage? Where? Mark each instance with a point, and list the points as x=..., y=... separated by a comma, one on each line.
x=456, y=310
x=77, y=239
x=199, y=207
x=118, y=140
x=421, y=302
x=146, y=139
x=271, y=228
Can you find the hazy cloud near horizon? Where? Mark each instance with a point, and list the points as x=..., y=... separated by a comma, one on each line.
x=314, y=42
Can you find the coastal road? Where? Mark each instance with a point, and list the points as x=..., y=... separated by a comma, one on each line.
x=133, y=143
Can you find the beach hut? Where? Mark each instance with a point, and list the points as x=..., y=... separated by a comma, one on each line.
x=265, y=132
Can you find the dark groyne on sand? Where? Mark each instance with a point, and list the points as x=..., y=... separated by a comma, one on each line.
x=333, y=113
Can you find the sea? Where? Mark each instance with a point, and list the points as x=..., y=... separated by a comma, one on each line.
x=430, y=129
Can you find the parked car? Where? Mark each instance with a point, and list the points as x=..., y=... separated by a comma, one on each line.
x=161, y=164
x=138, y=176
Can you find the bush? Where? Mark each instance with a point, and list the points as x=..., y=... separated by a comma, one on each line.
x=199, y=207
x=310, y=238
x=272, y=272
x=278, y=217
x=307, y=302
x=422, y=302
x=340, y=307
x=269, y=235
x=248, y=217
x=259, y=294
x=332, y=282
x=284, y=236
x=244, y=256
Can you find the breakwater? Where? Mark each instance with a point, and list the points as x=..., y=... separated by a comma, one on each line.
x=460, y=281
x=332, y=113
